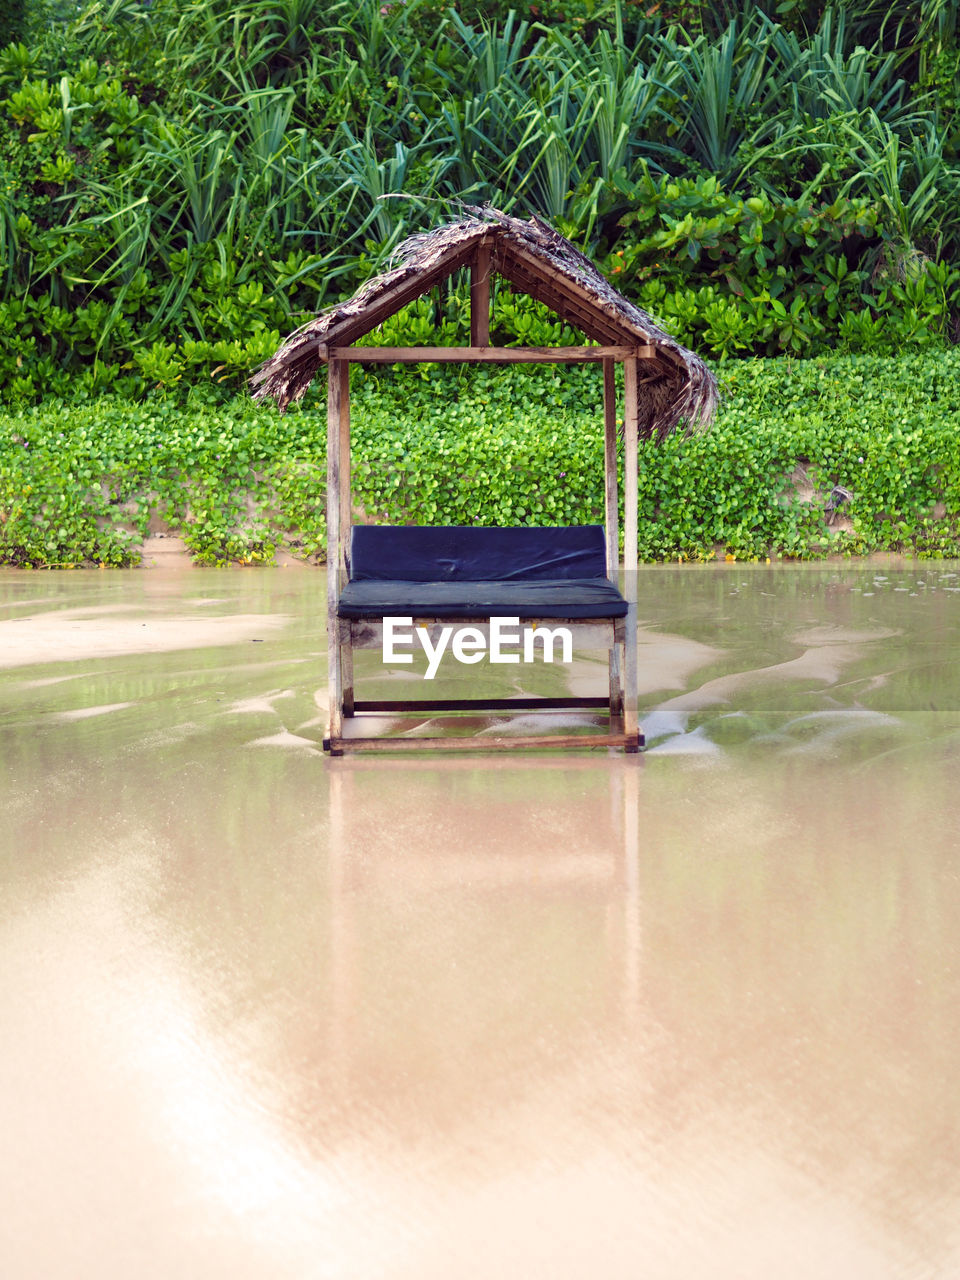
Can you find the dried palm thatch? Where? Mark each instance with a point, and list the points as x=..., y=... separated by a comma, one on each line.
x=675, y=386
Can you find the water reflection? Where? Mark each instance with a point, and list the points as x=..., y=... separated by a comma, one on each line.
x=688, y=1015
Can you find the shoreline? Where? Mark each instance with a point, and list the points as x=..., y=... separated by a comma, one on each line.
x=168, y=554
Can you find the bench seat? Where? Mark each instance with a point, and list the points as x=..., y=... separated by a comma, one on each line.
x=453, y=571
x=575, y=598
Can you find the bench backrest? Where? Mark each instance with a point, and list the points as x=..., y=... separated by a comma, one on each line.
x=455, y=553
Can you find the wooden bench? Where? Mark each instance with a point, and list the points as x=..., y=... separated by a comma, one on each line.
x=439, y=577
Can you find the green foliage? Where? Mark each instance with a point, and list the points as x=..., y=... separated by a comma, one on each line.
x=734, y=275
x=182, y=183
x=13, y=21
x=80, y=482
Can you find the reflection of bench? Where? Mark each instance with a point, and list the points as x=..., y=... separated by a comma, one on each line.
x=444, y=576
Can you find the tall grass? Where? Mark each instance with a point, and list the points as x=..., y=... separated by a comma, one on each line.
x=220, y=142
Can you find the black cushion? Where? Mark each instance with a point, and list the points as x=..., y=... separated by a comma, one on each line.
x=463, y=554
x=455, y=571
x=572, y=598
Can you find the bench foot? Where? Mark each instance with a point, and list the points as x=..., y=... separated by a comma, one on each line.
x=482, y=743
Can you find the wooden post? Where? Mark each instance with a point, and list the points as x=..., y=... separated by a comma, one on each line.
x=611, y=515
x=335, y=383
x=611, y=487
x=630, y=473
x=345, y=494
x=630, y=558
x=346, y=665
x=480, y=297
x=485, y=355
x=345, y=649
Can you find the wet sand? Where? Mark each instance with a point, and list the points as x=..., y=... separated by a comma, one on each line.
x=691, y=1014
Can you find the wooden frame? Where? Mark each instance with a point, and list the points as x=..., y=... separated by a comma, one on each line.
x=618, y=636
x=486, y=355
x=353, y=634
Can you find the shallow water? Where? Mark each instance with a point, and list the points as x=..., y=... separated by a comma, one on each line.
x=691, y=1014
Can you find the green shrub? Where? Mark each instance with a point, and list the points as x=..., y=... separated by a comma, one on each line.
x=80, y=481
x=180, y=183
x=734, y=275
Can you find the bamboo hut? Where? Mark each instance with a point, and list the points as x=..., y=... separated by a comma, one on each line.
x=664, y=384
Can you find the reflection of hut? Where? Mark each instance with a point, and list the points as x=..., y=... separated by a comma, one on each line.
x=663, y=384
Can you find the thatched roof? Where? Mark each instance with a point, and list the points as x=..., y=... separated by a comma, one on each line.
x=675, y=384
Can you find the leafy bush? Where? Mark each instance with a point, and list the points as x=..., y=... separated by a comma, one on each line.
x=754, y=275
x=80, y=482
x=180, y=184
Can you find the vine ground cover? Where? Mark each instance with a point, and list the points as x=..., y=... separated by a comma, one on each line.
x=81, y=482
x=181, y=184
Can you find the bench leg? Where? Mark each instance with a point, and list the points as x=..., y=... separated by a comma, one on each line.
x=346, y=665
x=334, y=678
x=616, y=672
x=631, y=726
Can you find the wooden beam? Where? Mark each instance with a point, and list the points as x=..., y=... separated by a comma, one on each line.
x=480, y=296
x=487, y=355
x=631, y=679
x=407, y=289
x=482, y=742
x=561, y=284
x=630, y=473
x=367, y=633
x=346, y=666
x=345, y=492
x=345, y=526
x=611, y=515
x=335, y=383
x=526, y=273
x=577, y=313
x=611, y=488
x=630, y=530
x=417, y=706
